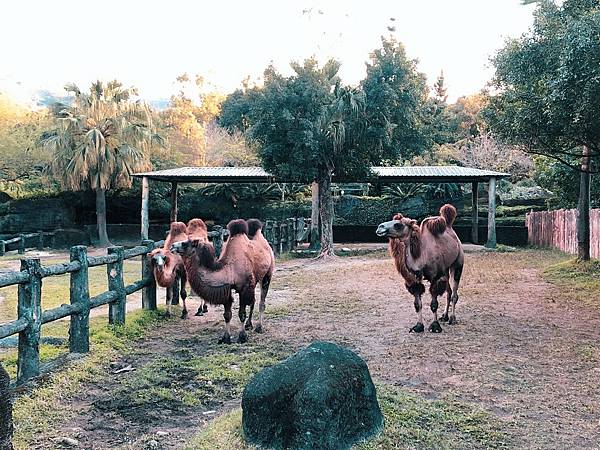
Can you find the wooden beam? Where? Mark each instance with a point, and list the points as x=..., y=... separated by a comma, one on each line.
x=174, y=201
x=475, y=213
x=491, y=238
x=145, y=200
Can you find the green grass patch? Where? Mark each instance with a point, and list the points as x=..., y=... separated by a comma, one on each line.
x=38, y=414
x=55, y=290
x=411, y=422
x=578, y=280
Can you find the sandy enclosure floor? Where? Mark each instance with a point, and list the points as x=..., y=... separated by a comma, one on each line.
x=521, y=351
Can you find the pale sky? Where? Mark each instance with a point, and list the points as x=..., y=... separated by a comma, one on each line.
x=45, y=44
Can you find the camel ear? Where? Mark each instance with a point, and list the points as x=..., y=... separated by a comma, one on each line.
x=397, y=216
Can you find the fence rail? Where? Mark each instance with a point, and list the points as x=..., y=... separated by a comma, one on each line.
x=558, y=229
x=29, y=307
x=21, y=241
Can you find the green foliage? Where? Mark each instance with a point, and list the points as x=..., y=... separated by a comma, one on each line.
x=563, y=182
x=396, y=100
x=548, y=82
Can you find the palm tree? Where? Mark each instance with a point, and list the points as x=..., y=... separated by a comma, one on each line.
x=99, y=141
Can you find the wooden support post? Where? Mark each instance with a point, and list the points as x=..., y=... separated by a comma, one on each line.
x=148, y=292
x=491, y=238
x=40, y=243
x=475, y=213
x=2, y=248
x=145, y=201
x=30, y=308
x=21, y=250
x=174, y=201
x=79, y=328
x=218, y=240
x=116, y=309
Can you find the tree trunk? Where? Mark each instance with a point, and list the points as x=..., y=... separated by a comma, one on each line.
x=326, y=213
x=314, y=218
x=101, y=218
x=6, y=426
x=583, y=208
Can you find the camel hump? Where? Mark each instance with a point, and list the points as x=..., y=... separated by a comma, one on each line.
x=448, y=212
x=237, y=226
x=254, y=225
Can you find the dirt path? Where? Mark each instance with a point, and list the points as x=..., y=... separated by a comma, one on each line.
x=520, y=351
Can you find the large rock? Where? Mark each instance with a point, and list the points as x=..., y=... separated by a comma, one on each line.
x=320, y=398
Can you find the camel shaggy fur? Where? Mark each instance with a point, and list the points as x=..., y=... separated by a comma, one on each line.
x=431, y=251
x=243, y=264
x=168, y=266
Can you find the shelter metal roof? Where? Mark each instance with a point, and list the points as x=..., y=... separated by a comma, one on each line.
x=394, y=174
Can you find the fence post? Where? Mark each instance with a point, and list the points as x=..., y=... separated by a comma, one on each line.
x=30, y=308
x=149, y=291
x=79, y=328
x=2, y=248
x=269, y=233
x=276, y=237
x=40, y=243
x=116, y=309
x=218, y=240
x=21, y=250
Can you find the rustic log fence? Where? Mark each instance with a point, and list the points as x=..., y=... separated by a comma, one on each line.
x=31, y=317
x=285, y=235
x=23, y=242
x=557, y=229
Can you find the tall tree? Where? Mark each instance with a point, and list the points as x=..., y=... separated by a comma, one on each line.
x=548, y=84
x=308, y=127
x=396, y=103
x=99, y=141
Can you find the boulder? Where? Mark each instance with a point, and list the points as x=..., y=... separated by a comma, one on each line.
x=320, y=398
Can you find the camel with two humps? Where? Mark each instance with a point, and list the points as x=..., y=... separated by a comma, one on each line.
x=431, y=251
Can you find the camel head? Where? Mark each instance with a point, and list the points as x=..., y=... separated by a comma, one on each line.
x=185, y=248
x=399, y=227
x=158, y=258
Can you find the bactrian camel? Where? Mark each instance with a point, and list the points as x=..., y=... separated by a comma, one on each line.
x=431, y=251
x=168, y=266
x=244, y=263
x=198, y=231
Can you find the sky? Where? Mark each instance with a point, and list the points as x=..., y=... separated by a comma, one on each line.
x=147, y=44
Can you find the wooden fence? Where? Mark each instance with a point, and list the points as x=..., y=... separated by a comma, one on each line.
x=21, y=241
x=284, y=236
x=557, y=229
x=30, y=316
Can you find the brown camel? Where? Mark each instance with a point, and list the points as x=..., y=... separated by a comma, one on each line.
x=431, y=251
x=243, y=264
x=198, y=231
x=168, y=266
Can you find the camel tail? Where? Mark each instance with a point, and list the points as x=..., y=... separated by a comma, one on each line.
x=448, y=212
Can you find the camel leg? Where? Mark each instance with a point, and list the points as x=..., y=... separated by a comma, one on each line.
x=226, y=339
x=183, y=295
x=169, y=294
x=264, y=290
x=455, y=274
x=444, y=317
x=437, y=288
x=417, y=289
x=246, y=298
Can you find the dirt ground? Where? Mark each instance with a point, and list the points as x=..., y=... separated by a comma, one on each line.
x=521, y=351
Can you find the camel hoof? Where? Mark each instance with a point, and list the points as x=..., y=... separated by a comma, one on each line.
x=226, y=339
x=435, y=327
x=243, y=337
x=184, y=314
x=205, y=308
x=248, y=325
x=418, y=328
x=199, y=312
x=259, y=329
x=452, y=320
x=444, y=318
